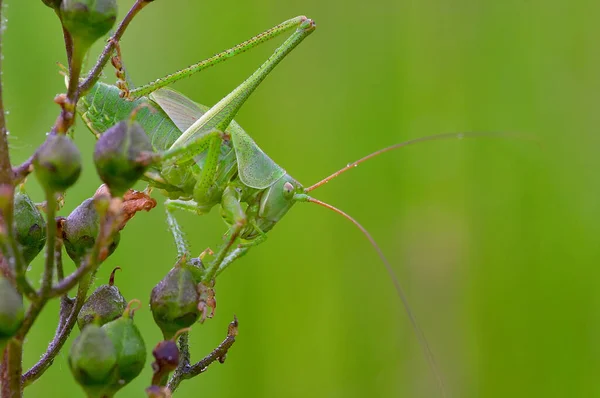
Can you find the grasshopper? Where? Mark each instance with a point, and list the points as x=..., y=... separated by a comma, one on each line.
x=207, y=159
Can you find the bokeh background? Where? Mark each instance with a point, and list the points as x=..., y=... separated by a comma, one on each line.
x=496, y=241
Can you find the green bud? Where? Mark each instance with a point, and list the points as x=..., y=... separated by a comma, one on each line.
x=129, y=346
x=93, y=361
x=81, y=229
x=104, y=305
x=122, y=155
x=88, y=20
x=174, y=301
x=11, y=310
x=30, y=226
x=57, y=163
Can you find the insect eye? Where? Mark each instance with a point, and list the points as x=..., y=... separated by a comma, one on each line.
x=288, y=188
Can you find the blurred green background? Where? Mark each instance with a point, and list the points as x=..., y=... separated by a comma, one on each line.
x=494, y=240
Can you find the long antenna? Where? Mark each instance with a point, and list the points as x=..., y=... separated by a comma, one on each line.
x=399, y=290
x=411, y=142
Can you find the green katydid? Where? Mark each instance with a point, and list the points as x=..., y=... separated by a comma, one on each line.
x=207, y=159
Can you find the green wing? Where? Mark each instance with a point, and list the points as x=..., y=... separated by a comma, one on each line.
x=180, y=109
x=255, y=168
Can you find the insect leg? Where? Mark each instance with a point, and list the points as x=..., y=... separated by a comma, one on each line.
x=218, y=58
x=205, y=185
x=232, y=210
x=117, y=63
x=178, y=235
x=221, y=114
x=188, y=151
x=231, y=257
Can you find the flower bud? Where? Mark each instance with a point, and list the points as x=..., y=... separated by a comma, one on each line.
x=30, y=226
x=88, y=20
x=81, y=229
x=129, y=346
x=11, y=310
x=166, y=355
x=174, y=301
x=57, y=163
x=122, y=155
x=105, y=304
x=93, y=361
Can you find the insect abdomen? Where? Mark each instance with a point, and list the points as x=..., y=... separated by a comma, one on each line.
x=102, y=107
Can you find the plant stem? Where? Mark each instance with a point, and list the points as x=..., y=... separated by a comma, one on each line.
x=184, y=372
x=14, y=354
x=94, y=74
x=11, y=379
x=68, y=43
x=50, y=243
x=6, y=175
x=21, y=171
x=4, y=390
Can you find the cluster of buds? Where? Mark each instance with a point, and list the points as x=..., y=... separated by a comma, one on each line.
x=109, y=352
x=105, y=358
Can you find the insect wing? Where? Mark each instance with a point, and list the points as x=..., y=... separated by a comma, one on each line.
x=180, y=109
x=255, y=168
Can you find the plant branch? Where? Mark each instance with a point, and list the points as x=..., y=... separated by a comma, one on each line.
x=14, y=356
x=62, y=333
x=21, y=171
x=94, y=74
x=70, y=281
x=184, y=352
x=68, y=43
x=4, y=390
x=218, y=354
x=51, y=243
